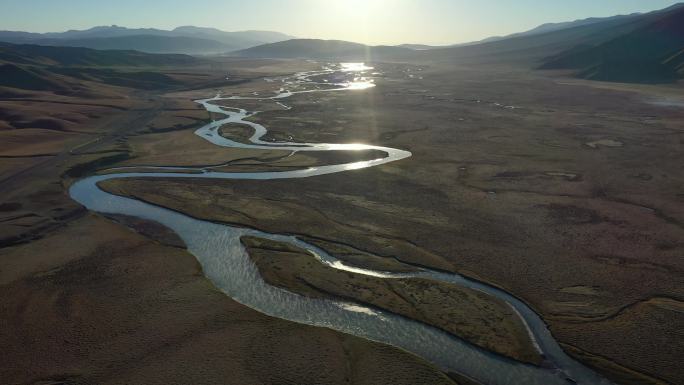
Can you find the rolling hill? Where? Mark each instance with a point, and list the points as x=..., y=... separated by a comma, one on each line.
x=145, y=43
x=28, y=54
x=324, y=49
x=239, y=40
x=419, y=47
x=186, y=39
x=74, y=71
x=14, y=76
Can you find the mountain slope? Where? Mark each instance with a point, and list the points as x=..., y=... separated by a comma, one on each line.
x=73, y=56
x=17, y=77
x=652, y=53
x=552, y=27
x=322, y=49
x=144, y=43
x=533, y=49
x=81, y=72
x=541, y=29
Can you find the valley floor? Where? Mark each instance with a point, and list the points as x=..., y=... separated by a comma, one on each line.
x=566, y=194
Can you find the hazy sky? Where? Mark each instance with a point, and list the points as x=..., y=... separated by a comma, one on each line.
x=365, y=21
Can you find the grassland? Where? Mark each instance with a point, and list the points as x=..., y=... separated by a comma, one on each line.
x=510, y=183
x=87, y=299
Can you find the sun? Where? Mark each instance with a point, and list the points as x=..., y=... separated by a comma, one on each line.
x=359, y=8
x=360, y=3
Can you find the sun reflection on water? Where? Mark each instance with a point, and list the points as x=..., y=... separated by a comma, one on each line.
x=355, y=67
x=360, y=85
x=357, y=308
x=349, y=146
x=359, y=82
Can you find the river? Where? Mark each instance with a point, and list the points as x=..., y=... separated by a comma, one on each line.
x=225, y=262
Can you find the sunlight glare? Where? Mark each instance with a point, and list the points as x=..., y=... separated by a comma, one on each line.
x=355, y=67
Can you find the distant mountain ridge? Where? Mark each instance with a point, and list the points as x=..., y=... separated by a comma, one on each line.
x=541, y=29
x=185, y=39
x=419, y=47
x=35, y=55
x=144, y=43
x=646, y=47
x=323, y=49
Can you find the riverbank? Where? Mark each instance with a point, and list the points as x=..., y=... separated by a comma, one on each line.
x=466, y=313
x=119, y=308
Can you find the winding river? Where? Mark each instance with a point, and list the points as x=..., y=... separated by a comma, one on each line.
x=225, y=262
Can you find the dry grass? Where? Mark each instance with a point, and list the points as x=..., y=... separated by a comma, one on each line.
x=86, y=300
x=512, y=196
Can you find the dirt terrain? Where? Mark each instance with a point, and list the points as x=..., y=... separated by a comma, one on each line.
x=566, y=194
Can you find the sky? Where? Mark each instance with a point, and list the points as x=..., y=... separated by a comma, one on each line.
x=365, y=21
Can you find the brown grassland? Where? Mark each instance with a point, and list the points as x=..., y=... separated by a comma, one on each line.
x=566, y=194
x=85, y=299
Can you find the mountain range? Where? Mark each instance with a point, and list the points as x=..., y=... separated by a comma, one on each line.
x=187, y=39
x=324, y=49
x=645, y=47
x=544, y=28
